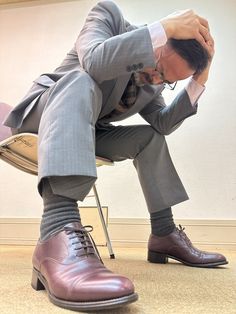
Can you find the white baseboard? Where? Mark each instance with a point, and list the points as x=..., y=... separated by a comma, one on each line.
x=127, y=232
x=207, y=233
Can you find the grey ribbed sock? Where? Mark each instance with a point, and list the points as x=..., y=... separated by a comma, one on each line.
x=162, y=222
x=58, y=211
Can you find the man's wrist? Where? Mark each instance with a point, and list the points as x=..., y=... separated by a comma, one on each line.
x=201, y=78
x=167, y=28
x=200, y=81
x=194, y=90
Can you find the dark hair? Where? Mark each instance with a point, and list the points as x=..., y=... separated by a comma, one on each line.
x=192, y=51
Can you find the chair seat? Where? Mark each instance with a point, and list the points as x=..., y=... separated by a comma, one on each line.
x=21, y=152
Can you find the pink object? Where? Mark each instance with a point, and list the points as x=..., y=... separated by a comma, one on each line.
x=5, y=131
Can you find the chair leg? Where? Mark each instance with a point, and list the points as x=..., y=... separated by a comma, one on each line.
x=112, y=255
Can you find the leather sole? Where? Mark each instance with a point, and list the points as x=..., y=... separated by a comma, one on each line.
x=39, y=283
x=160, y=258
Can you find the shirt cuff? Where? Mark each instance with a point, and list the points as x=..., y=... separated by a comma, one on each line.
x=158, y=35
x=194, y=90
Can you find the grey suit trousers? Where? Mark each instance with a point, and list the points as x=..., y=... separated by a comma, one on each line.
x=65, y=118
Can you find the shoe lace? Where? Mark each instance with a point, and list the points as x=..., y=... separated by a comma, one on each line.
x=82, y=241
x=181, y=229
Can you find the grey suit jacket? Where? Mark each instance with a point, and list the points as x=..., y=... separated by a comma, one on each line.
x=109, y=49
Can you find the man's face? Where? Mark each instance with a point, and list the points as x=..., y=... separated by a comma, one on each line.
x=170, y=68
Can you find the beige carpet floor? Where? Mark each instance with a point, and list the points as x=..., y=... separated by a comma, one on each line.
x=163, y=289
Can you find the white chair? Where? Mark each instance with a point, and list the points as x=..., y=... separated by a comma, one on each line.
x=20, y=151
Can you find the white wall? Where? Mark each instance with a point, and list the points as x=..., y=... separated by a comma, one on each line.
x=35, y=38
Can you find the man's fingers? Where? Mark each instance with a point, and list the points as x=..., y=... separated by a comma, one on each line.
x=187, y=25
x=210, y=41
x=205, y=33
x=201, y=40
x=211, y=46
x=204, y=23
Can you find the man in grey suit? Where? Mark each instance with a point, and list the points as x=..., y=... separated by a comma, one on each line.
x=115, y=70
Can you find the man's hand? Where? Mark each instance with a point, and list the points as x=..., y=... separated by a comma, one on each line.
x=186, y=25
x=202, y=77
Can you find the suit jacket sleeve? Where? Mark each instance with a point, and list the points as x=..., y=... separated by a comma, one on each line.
x=105, y=47
x=166, y=119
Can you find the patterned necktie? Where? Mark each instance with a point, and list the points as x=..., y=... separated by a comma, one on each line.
x=128, y=98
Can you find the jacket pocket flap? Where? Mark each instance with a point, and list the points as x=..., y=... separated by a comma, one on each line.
x=44, y=80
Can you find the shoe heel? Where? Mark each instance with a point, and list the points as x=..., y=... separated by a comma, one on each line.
x=35, y=282
x=154, y=257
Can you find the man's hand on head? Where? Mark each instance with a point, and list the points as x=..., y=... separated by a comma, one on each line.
x=186, y=25
x=202, y=77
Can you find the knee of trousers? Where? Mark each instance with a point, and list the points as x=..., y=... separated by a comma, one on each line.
x=80, y=92
x=90, y=90
x=147, y=136
x=83, y=79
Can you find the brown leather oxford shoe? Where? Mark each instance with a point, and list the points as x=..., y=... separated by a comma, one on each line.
x=69, y=267
x=177, y=246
